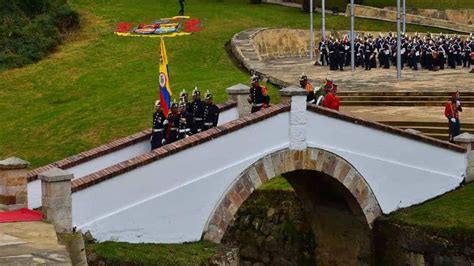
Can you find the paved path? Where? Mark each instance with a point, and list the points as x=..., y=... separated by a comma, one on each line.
x=289, y=70
x=31, y=243
x=395, y=113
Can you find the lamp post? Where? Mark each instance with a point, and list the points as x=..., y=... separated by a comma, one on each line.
x=323, y=15
x=404, y=18
x=311, y=31
x=399, y=57
x=352, y=37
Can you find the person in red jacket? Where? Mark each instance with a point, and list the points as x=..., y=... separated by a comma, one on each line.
x=332, y=101
x=451, y=111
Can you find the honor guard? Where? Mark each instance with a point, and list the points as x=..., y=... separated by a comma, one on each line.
x=197, y=111
x=308, y=88
x=259, y=97
x=185, y=121
x=173, y=119
x=211, y=112
x=159, y=125
x=183, y=97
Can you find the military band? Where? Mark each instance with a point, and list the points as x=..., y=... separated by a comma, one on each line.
x=432, y=52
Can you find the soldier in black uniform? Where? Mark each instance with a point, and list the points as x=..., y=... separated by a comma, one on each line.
x=183, y=97
x=324, y=58
x=197, y=111
x=368, y=53
x=173, y=123
x=258, y=97
x=185, y=121
x=159, y=125
x=211, y=112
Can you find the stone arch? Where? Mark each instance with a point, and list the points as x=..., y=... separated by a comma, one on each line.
x=285, y=161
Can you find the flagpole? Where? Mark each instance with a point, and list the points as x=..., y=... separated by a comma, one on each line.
x=311, y=30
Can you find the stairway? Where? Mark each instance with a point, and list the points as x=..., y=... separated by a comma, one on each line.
x=402, y=98
x=437, y=130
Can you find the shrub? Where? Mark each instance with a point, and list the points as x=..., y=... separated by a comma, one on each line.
x=30, y=29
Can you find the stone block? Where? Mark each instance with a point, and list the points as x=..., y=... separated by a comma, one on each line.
x=57, y=189
x=298, y=118
x=13, y=163
x=254, y=177
x=63, y=226
x=268, y=166
x=16, y=190
x=329, y=164
x=55, y=175
x=56, y=202
x=262, y=174
x=16, y=180
x=278, y=164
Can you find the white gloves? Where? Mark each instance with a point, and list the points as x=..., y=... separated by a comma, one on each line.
x=165, y=122
x=453, y=120
x=458, y=103
x=163, y=141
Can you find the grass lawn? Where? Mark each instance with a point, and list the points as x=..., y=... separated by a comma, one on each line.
x=451, y=214
x=114, y=253
x=99, y=87
x=434, y=4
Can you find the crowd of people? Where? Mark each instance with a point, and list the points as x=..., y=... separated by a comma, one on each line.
x=184, y=118
x=430, y=51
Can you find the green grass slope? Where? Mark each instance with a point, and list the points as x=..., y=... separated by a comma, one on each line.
x=99, y=87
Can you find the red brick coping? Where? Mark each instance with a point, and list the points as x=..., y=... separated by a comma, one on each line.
x=172, y=148
x=386, y=128
x=106, y=148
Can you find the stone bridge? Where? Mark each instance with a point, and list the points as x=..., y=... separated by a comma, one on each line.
x=191, y=189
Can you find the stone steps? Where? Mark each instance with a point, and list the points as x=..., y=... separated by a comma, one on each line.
x=400, y=103
x=438, y=130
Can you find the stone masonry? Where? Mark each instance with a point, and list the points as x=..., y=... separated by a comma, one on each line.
x=56, y=198
x=297, y=99
x=467, y=140
x=13, y=184
x=391, y=15
x=239, y=93
x=285, y=161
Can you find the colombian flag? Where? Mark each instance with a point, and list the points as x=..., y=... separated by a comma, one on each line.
x=165, y=88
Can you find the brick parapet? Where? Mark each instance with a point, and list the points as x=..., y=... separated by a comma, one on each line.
x=105, y=149
x=386, y=128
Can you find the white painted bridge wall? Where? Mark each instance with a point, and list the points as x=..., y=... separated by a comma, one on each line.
x=170, y=200
x=96, y=164
x=400, y=171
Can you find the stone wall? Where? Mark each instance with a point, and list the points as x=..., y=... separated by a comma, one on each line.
x=271, y=228
x=462, y=16
x=390, y=15
x=405, y=245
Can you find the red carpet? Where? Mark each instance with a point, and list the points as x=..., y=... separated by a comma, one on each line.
x=22, y=215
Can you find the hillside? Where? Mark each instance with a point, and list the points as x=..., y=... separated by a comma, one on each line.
x=98, y=87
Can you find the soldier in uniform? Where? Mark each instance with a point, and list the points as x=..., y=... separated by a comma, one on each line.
x=368, y=53
x=159, y=125
x=324, y=53
x=211, y=112
x=258, y=97
x=451, y=111
x=197, y=111
x=173, y=119
x=183, y=97
x=308, y=88
x=185, y=121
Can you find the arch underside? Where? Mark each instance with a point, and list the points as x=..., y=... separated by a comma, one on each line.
x=286, y=161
